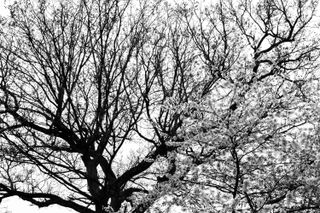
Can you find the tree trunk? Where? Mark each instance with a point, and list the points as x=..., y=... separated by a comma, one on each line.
x=99, y=208
x=115, y=203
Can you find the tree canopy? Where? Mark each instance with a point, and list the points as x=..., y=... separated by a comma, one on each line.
x=138, y=106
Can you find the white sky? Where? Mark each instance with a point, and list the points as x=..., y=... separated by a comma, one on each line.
x=16, y=205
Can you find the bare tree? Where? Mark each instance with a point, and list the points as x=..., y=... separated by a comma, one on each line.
x=81, y=82
x=70, y=101
x=206, y=97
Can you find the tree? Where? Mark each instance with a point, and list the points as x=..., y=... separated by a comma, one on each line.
x=257, y=136
x=223, y=98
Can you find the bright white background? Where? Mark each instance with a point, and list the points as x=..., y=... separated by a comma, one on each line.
x=16, y=205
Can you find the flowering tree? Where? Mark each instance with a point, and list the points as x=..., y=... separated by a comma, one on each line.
x=256, y=140
x=116, y=105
